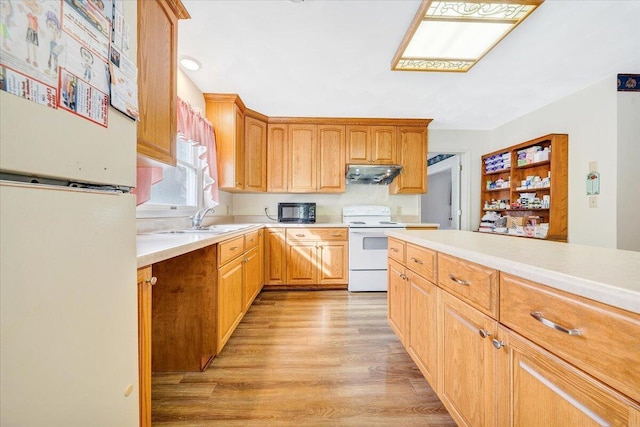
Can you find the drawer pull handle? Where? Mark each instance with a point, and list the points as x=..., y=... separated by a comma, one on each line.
x=417, y=261
x=458, y=281
x=300, y=235
x=546, y=322
x=235, y=248
x=337, y=234
x=393, y=249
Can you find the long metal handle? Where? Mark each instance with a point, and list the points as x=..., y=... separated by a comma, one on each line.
x=417, y=261
x=458, y=281
x=546, y=322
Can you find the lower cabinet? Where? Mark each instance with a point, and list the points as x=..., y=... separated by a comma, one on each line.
x=493, y=363
x=315, y=257
x=145, y=282
x=466, y=361
x=422, y=342
x=537, y=388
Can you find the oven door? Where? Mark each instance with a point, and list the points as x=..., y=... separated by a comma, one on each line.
x=367, y=249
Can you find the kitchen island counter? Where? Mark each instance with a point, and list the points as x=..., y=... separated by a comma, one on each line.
x=610, y=276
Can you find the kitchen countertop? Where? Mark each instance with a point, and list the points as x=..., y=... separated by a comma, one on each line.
x=610, y=276
x=157, y=246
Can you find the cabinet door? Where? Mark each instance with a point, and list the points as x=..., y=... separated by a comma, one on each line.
x=412, y=155
x=230, y=302
x=238, y=159
x=275, y=263
x=145, y=281
x=466, y=362
x=157, y=91
x=383, y=145
x=331, y=164
x=358, y=144
x=303, y=155
x=301, y=263
x=422, y=326
x=333, y=258
x=397, y=295
x=539, y=389
x=277, y=155
x=255, y=154
x=253, y=276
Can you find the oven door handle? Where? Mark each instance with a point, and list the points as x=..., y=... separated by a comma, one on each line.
x=369, y=233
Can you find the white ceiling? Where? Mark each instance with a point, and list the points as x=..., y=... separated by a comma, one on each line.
x=331, y=58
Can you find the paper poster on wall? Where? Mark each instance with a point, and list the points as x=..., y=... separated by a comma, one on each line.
x=82, y=99
x=82, y=62
x=32, y=41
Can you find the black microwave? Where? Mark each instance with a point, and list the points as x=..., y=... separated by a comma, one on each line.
x=302, y=213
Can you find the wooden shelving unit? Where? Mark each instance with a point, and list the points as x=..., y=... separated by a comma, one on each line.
x=507, y=170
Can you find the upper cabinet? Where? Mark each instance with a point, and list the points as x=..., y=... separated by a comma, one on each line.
x=371, y=144
x=330, y=164
x=157, y=68
x=241, y=142
x=412, y=149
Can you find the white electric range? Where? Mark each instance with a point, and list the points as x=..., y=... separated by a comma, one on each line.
x=368, y=246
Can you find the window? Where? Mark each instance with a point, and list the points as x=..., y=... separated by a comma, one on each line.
x=179, y=192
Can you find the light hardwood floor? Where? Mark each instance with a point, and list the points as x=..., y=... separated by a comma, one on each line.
x=317, y=358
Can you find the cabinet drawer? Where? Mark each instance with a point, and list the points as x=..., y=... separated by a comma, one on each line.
x=473, y=283
x=251, y=239
x=396, y=249
x=601, y=340
x=422, y=261
x=316, y=234
x=229, y=249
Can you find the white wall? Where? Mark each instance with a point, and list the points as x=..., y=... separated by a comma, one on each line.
x=589, y=117
x=628, y=198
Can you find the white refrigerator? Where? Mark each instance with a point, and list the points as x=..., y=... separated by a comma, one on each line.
x=68, y=297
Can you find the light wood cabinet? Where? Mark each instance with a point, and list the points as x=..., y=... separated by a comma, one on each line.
x=537, y=356
x=316, y=158
x=412, y=149
x=539, y=389
x=241, y=143
x=330, y=161
x=275, y=257
x=397, y=295
x=503, y=174
x=277, y=155
x=317, y=257
x=466, y=360
x=303, y=147
x=145, y=283
x=240, y=279
x=157, y=86
x=254, y=267
x=371, y=144
x=255, y=154
x=422, y=342
x=230, y=307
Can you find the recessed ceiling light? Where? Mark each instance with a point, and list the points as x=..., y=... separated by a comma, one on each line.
x=190, y=63
x=449, y=35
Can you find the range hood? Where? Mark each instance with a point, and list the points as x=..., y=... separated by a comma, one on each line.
x=372, y=174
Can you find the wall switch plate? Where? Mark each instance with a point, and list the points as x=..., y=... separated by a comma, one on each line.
x=593, y=201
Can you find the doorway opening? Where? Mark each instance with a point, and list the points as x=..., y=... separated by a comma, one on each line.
x=444, y=201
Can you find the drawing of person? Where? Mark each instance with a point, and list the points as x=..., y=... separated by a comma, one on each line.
x=87, y=62
x=32, y=29
x=6, y=11
x=54, y=48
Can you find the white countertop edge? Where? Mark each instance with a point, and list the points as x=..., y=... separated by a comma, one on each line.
x=616, y=296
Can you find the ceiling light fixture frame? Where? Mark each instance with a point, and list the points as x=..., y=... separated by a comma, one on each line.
x=434, y=18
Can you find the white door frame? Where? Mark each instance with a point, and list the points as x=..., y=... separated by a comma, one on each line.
x=460, y=166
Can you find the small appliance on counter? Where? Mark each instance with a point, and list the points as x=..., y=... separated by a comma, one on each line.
x=301, y=213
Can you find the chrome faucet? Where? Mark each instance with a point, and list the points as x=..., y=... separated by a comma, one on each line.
x=196, y=220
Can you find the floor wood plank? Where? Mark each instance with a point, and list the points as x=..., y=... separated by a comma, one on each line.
x=304, y=358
